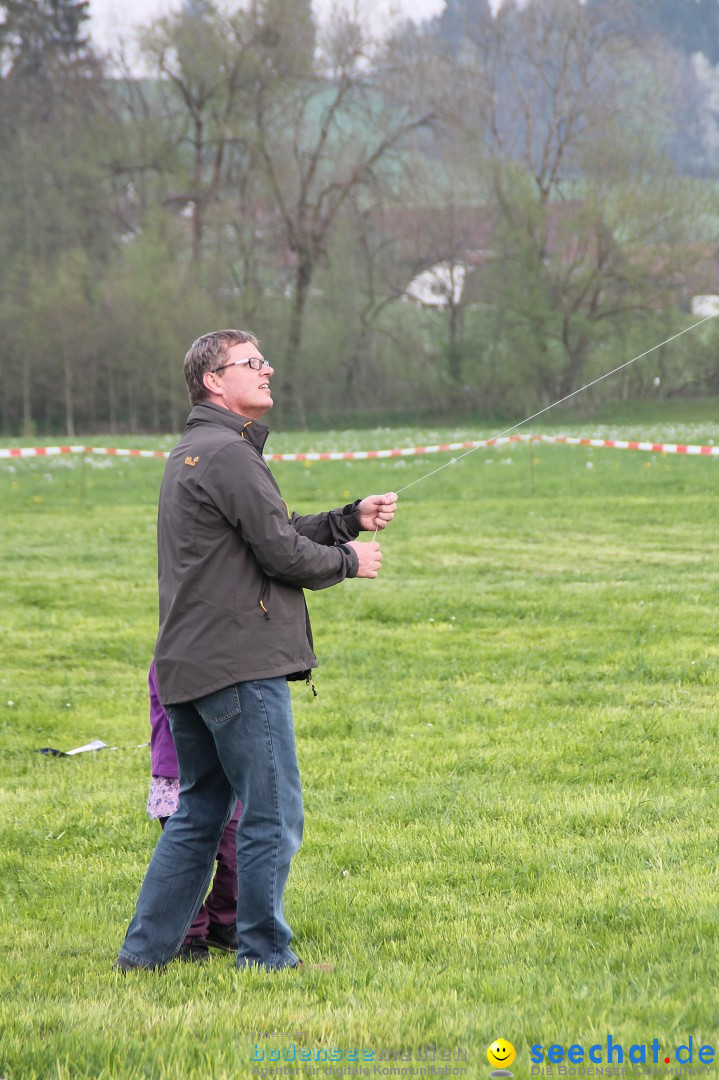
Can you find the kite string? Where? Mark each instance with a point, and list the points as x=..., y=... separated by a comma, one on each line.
x=566, y=397
x=541, y=412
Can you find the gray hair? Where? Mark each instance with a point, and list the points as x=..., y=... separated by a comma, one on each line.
x=208, y=353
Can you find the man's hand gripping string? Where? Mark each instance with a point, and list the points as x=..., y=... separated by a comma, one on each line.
x=375, y=513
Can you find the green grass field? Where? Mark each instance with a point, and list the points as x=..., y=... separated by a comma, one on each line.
x=510, y=771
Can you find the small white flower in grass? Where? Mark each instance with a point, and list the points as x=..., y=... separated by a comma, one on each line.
x=345, y=873
x=68, y=705
x=431, y=620
x=430, y=725
x=11, y=703
x=590, y=464
x=391, y=796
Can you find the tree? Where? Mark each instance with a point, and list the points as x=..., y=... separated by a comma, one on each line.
x=40, y=37
x=52, y=195
x=691, y=26
x=205, y=62
x=150, y=308
x=324, y=137
x=591, y=226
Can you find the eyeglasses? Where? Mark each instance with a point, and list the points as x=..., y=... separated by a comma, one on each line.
x=255, y=362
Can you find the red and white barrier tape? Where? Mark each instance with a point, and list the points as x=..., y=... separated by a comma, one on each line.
x=407, y=451
x=54, y=451
x=621, y=444
x=370, y=455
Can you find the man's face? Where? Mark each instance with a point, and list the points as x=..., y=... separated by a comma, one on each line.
x=239, y=387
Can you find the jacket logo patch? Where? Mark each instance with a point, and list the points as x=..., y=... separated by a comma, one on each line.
x=192, y=460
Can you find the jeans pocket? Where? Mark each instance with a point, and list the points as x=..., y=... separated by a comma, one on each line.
x=218, y=707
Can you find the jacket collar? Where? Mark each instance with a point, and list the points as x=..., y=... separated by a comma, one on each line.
x=253, y=431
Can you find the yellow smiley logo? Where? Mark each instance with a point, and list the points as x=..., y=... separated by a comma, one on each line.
x=500, y=1053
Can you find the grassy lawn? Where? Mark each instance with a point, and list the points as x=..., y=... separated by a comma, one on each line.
x=510, y=771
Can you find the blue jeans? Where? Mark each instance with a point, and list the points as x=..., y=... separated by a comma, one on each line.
x=238, y=743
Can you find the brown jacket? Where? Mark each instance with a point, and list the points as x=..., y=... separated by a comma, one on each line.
x=232, y=562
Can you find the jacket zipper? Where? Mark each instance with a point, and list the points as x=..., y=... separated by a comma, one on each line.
x=265, y=595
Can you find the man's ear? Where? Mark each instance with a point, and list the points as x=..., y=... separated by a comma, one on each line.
x=211, y=383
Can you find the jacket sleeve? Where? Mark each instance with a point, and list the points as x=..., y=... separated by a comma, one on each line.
x=332, y=527
x=243, y=489
x=162, y=748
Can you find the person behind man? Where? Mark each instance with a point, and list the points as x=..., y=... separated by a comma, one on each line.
x=234, y=628
x=215, y=925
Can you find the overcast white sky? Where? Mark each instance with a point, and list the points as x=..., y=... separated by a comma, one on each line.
x=111, y=19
